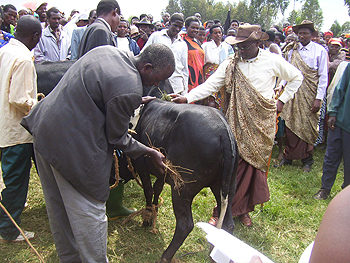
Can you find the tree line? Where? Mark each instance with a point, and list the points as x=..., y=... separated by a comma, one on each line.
x=262, y=12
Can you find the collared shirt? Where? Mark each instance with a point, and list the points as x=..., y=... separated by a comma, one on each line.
x=179, y=79
x=216, y=54
x=261, y=73
x=316, y=57
x=17, y=92
x=50, y=48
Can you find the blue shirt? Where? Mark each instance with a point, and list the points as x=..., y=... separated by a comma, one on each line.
x=7, y=37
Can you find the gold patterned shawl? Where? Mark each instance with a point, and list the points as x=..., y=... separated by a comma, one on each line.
x=251, y=117
x=297, y=112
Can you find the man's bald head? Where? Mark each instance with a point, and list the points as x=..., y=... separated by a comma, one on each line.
x=28, y=25
x=28, y=31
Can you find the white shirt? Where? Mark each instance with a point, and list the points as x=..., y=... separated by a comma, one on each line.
x=261, y=73
x=316, y=57
x=179, y=79
x=17, y=92
x=277, y=48
x=123, y=43
x=216, y=54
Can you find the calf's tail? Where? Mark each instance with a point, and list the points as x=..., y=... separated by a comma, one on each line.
x=229, y=169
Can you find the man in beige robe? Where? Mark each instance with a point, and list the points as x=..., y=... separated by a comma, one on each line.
x=301, y=114
x=250, y=76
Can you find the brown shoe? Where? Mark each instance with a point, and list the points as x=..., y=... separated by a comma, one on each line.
x=246, y=220
x=213, y=220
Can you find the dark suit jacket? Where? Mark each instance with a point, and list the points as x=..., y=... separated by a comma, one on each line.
x=76, y=127
x=97, y=34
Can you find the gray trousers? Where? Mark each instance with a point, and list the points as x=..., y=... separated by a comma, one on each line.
x=78, y=222
x=338, y=148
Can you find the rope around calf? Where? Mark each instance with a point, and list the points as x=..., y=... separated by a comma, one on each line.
x=147, y=215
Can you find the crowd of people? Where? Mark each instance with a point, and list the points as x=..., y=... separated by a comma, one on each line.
x=254, y=76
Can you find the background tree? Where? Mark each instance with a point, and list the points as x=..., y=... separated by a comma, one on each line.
x=336, y=28
x=173, y=7
x=240, y=11
x=190, y=7
x=345, y=28
x=295, y=17
x=347, y=4
x=312, y=11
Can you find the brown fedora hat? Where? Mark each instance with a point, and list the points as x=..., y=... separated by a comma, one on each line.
x=304, y=24
x=247, y=33
x=144, y=22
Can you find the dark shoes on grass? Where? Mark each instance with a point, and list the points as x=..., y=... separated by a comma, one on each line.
x=322, y=194
x=307, y=167
x=307, y=163
x=284, y=162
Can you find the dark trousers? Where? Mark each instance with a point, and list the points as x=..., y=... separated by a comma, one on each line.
x=338, y=148
x=15, y=164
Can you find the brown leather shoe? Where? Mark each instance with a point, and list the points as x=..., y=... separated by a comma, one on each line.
x=246, y=220
x=213, y=221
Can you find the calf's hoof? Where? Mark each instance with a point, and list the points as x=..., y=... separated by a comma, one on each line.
x=147, y=223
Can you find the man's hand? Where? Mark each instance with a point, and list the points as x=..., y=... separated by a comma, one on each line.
x=147, y=99
x=278, y=90
x=316, y=107
x=143, y=34
x=158, y=159
x=331, y=122
x=279, y=105
x=178, y=98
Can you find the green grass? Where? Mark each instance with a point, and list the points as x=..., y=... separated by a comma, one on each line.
x=282, y=229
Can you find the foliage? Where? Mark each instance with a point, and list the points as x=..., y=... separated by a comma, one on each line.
x=312, y=11
x=241, y=11
x=347, y=4
x=281, y=230
x=173, y=7
x=336, y=28
x=263, y=12
x=345, y=28
x=295, y=17
x=256, y=12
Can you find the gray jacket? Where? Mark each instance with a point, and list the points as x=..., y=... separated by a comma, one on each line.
x=77, y=126
x=97, y=34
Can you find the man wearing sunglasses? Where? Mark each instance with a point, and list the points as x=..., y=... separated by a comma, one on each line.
x=251, y=110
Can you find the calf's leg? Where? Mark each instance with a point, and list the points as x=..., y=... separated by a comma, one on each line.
x=184, y=223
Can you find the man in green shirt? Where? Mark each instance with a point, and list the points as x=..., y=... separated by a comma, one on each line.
x=338, y=142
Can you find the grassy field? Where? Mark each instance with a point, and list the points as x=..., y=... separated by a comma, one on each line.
x=281, y=230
